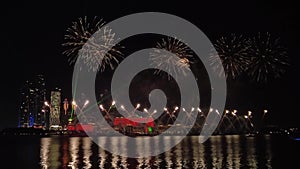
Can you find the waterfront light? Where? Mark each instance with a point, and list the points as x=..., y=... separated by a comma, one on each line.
x=113, y=103
x=138, y=106
x=101, y=107
x=86, y=103
x=46, y=104
x=199, y=110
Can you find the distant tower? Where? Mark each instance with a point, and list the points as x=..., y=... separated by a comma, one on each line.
x=66, y=106
x=55, y=108
x=25, y=105
x=32, y=99
x=39, y=99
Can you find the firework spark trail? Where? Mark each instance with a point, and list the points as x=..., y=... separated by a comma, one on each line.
x=178, y=65
x=268, y=58
x=98, y=51
x=101, y=50
x=234, y=54
x=78, y=34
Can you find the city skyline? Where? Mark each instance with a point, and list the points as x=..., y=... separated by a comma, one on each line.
x=38, y=50
x=36, y=111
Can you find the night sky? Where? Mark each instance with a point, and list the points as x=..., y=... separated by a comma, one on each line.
x=32, y=34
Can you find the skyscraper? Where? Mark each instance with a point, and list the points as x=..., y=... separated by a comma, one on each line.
x=55, y=109
x=32, y=98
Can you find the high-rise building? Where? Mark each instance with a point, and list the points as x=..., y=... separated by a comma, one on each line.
x=55, y=109
x=32, y=98
x=25, y=105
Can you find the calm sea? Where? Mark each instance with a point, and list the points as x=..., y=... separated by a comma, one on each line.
x=230, y=151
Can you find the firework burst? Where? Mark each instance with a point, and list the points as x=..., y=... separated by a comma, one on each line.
x=95, y=42
x=177, y=65
x=234, y=54
x=268, y=58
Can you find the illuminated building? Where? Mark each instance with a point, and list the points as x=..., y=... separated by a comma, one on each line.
x=55, y=109
x=32, y=99
x=134, y=125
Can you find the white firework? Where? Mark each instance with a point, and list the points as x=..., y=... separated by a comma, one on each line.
x=96, y=43
x=179, y=65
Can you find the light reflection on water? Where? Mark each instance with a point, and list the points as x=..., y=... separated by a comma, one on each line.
x=45, y=144
x=87, y=143
x=218, y=152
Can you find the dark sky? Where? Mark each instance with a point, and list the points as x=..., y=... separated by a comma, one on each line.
x=32, y=34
